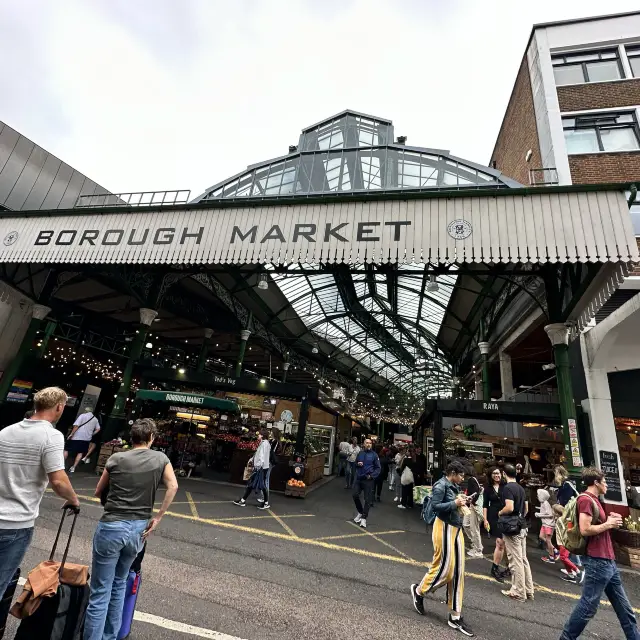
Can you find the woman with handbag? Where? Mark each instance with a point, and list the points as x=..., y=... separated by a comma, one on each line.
x=407, y=482
x=493, y=503
x=260, y=465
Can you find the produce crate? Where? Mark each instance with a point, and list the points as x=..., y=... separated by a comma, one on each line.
x=106, y=451
x=629, y=556
x=295, y=492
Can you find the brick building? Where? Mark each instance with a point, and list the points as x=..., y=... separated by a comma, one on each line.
x=574, y=111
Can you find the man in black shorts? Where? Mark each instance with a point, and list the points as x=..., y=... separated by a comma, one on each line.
x=84, y=429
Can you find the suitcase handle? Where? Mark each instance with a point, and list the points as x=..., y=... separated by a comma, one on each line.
x=76, y=511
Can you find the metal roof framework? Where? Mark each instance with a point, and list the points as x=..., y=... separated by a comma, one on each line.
x=385, y=319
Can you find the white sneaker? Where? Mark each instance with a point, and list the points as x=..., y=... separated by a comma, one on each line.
x=72, y=469
x=260, y=500
x=363, y=523
x=86, y=460
x=401, y=506
x=358, y=519
x=396, y=499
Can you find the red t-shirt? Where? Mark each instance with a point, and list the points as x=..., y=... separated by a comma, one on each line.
x=599, y=546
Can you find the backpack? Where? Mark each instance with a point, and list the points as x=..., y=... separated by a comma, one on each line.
x=428, y=514
x=568, y=527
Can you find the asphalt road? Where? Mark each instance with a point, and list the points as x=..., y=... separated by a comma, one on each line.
x=303, y=570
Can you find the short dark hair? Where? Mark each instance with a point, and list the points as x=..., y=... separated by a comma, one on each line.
x=509, y=471
x=455, y=467
x=143, y=430
x=264, y=433
x=591, y=475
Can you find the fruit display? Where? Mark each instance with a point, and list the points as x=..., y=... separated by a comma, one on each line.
x=227, y=437
x=250, y=445
x=296, y=483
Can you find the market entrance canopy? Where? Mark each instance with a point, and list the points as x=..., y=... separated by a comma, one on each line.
x=183, y=398
x=517, y=225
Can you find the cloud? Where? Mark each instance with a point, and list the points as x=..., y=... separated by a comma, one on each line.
x=160, y=94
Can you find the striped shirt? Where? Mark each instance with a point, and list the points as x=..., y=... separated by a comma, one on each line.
x=29, y=450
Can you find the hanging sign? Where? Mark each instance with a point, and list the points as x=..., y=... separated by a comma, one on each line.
x=19, y=391
x=611, y=470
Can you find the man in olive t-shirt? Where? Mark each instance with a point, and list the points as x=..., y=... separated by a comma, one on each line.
x=133, y=478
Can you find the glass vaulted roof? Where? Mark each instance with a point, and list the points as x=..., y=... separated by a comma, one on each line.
x=353, y=152
x=392, y=337
x=384, y=319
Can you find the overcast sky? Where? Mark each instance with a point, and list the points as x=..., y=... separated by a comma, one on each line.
x=166, y=94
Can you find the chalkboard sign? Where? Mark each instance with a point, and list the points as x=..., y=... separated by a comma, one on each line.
x=609, y=466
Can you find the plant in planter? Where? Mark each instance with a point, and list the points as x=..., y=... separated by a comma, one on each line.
x=627, y=540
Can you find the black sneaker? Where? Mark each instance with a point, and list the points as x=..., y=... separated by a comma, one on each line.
x=460, y=625
x=506, y=573
x=418, y=601
x=240, y=503
x=497, y=574
x=264, y=505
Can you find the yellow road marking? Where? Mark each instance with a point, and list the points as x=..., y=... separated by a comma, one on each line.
x=359, y=535
x=192, y=505
x=284, y=525
x=384, y=542
x=196, y=502
x=335, y=547
x=297, y=515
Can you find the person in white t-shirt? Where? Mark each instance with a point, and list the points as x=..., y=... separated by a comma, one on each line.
x=30, y=459
x=78, y=441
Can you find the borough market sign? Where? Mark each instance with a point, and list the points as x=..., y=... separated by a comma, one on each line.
x=515, y=226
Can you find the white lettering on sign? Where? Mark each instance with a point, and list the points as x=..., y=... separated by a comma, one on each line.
x=493, y=406
x=224, y=380
x=178, y=397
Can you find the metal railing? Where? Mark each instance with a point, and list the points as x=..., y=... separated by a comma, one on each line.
x=135, y=199
x=544, y=176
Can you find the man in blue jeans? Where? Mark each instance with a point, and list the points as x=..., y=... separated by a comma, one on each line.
x=601, y=571
x=367, y=470
x=31, y=456
x=132, y=478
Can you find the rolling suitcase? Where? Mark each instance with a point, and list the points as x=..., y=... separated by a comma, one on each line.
x=131, y=595
x=60, y=616
x=5, y=603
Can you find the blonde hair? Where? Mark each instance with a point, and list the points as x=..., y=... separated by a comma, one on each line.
x=49, y=398
x=561, y=474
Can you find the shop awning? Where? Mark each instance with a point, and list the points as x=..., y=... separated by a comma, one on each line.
x=181, y=398
x=532, y=225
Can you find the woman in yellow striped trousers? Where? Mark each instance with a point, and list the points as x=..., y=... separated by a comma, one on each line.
x=447, y=567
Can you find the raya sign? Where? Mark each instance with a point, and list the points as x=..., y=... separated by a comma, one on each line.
x=486, y=228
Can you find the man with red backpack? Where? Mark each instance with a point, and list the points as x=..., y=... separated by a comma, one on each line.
x=601, y=571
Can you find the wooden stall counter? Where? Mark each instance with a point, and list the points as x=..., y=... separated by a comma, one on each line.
x=314, y=470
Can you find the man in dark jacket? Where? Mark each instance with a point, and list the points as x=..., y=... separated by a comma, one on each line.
x=447, y=567
x=367, y=470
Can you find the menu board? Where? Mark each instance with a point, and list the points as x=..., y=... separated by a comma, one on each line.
x=610, y=468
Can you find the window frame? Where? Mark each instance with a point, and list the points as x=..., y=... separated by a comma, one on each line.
x=583, y=64
x=633, y=52
x=634, y=126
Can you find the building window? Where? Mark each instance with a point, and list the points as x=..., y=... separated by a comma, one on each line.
x=601, y=132
x=577, y=68
x=634, y=60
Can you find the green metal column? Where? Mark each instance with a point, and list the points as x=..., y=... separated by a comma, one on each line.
x=44, y=343
x=244, y=337
x=204, y=350
x=146, y=318
x=39, y=313
x=302, y=426
x=559, y=335
x=285, y=367
x=486, y=385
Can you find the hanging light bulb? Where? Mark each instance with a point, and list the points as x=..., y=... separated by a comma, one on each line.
x=263, y=283
x=432, y=285
x=315, y=348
